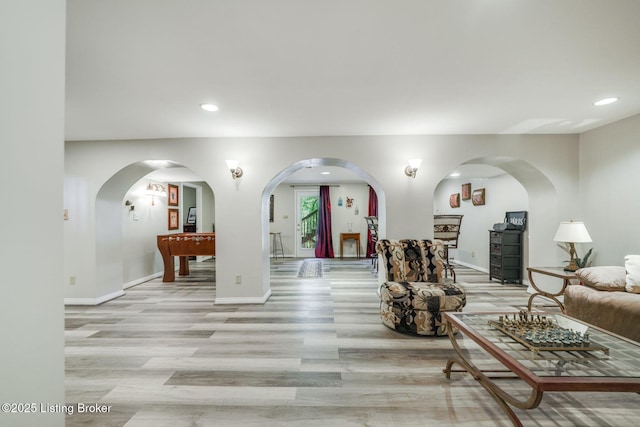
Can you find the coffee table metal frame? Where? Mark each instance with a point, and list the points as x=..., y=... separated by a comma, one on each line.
x=620, y=373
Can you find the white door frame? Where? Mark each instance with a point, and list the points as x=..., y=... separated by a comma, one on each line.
x=299, y=251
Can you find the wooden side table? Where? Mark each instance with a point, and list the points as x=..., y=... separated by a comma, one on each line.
x=558, y=272
x=350, y=236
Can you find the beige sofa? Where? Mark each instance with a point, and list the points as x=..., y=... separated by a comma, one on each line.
x=608, y=297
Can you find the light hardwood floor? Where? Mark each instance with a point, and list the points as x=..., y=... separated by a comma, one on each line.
x=316, y=354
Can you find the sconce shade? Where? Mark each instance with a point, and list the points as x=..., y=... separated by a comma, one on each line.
x=414, y=165
x=236, y=171
x=572, y=232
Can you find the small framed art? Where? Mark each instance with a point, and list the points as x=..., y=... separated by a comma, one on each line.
x=465, y=194
x=173, y=195
x=478, y=197
x=173, y=219
x=271, y=208
x=454, y=200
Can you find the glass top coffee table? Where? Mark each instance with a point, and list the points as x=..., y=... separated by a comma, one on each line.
x=549, y=352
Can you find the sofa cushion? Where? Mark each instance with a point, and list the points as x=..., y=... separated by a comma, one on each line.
x=632, y=266
x=603, y=278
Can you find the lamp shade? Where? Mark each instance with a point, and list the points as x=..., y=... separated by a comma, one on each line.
x=572, y=232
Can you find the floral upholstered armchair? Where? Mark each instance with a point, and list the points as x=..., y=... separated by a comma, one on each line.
x=415, y=294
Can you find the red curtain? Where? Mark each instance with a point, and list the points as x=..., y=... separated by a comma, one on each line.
x=373, y=211
x=324, y=241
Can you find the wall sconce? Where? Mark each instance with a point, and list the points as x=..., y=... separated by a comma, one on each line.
x=572, y=232
x=130, y=204
x=155, y=190
x=412, y=168
x=236, y=172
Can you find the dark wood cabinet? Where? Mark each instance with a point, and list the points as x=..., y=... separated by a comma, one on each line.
x=505, y=255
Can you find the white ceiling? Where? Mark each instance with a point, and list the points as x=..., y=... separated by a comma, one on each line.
x=141, y=68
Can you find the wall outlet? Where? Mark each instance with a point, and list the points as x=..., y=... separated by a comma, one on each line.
x=72, y=280
x=238, y=279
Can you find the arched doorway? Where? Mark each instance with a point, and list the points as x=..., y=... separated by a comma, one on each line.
x=127, y=221
x=313, y=163
x=510, y=184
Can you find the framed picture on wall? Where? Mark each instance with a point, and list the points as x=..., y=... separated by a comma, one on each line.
x=173, y=219
x=454, y=200
x=478, y=197
x=271, y=208
x=466, y=191
x=173, y=195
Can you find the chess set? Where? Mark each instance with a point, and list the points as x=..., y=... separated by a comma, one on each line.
x=539, y=333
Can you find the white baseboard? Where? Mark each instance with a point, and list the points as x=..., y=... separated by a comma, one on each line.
x=244, y=300
x=93, y=301
x=142, y=280
x=466, y=264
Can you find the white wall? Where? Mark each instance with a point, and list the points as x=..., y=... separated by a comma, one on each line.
x=242, y=238
x=141, y=258
x=503, y=193
x=284, y=218
x=609, y=191
x=32, y=134
x=345, y=219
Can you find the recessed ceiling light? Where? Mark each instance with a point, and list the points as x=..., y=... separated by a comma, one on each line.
x=455, y=174
x=209, y=107
x=325, y=173
x=606, y=101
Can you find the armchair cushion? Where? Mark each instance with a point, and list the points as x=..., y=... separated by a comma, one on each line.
x=416, y=307
x=411, y=260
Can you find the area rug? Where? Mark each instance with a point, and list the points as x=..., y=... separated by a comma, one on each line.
x=310, y=269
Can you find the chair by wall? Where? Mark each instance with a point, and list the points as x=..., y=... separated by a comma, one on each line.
x=446, y=228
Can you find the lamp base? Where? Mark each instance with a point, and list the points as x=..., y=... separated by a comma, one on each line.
x=572, y=261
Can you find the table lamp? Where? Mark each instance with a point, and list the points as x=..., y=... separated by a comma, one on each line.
x=572, y=232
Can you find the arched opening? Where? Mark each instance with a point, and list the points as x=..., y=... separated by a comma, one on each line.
x=509, y=184
x=128, y=219
x=282, y=176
